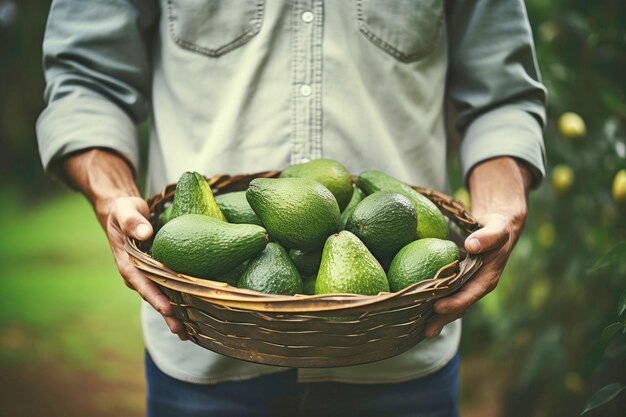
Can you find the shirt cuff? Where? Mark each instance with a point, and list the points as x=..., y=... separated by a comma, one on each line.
x=506, y=131
x=72, y=124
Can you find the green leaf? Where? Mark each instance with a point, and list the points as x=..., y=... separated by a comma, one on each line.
x=621, y=305
x=610, y=331
x=615, y=255
x=603, y=396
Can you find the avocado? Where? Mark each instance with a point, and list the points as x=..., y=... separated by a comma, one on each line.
x=193, y=196
x=236, y=208
x=232, y=276
x=307, y=263
x=349, y=267
x=385, y=222
x=308, y=284
x=357, y=197
x=205, y=247
x=430, y=221
x=420, y=260
x=299, y=213
x=330, y=173
x=272, y=272
x=166, y=215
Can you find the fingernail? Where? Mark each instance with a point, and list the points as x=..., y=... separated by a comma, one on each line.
x=143, y=231
x=473, y=244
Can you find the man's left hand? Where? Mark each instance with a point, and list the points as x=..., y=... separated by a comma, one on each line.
x=499, y=190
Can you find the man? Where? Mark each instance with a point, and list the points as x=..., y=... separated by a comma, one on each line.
x=248, y=86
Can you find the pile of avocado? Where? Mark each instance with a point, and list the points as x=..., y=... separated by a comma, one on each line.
x=310, y=231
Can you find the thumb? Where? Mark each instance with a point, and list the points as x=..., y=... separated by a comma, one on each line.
x=130, y=214
x=491, y=236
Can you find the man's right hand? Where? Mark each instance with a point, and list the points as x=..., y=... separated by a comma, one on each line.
x=127, y=217
x=107, y=181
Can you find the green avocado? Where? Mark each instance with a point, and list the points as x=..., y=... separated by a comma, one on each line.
x=308, y=284
x=236, y=208
x=166, y=215
x=349, y=267
x=330, y=173
x=272, y=272
x=357, y=197
x=420, y=260
x=193, y=196
x=205, y=247
x=299, y=213
x=307, y=263
x=430, y=221
x=232, y=276
x=385, y=222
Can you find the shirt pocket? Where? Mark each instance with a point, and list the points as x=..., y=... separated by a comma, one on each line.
x=408, y=30
x=214, y=27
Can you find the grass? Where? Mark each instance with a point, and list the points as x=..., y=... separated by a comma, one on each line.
x=61, y=298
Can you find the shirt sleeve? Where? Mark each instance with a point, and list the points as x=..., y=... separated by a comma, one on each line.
x=97, y=74
x=494, y=84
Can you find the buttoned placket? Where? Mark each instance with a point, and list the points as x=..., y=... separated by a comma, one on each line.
x=306, y=95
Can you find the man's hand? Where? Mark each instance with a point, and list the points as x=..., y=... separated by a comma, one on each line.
x=499, y=191
x=127, y=217
x=107, y=181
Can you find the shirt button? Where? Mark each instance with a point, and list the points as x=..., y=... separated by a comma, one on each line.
x=306, y=90
x=307, y=17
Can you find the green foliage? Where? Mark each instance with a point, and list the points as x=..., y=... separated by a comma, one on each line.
x=603, y=396
x=621, y=306
x=614, y=256
x=610, y=331
x=62, y=300
x=21, y=100
x=567, y=272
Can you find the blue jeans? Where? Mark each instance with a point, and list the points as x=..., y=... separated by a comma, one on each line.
x=280, y=394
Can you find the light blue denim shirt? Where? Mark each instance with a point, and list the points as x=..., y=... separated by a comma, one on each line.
x=251, y=85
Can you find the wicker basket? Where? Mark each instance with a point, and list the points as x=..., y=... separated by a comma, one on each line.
x=302, y=330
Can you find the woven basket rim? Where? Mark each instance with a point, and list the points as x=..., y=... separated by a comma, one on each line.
x=446, y=280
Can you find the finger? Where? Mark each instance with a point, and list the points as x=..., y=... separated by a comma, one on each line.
x=131, y=216
x=493, y=235
x=435, y=324
x=471, y=292
x=146, y=289
x=134, y=279
x=176, y=326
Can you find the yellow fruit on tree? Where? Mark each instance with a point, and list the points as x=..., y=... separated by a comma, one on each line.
x=574, y=383
x=546, y=235
x=548, y=31
x=619, y=186
x=572, y=126
x=562, y=178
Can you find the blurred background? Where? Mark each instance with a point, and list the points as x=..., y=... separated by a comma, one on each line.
x=548, y=342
